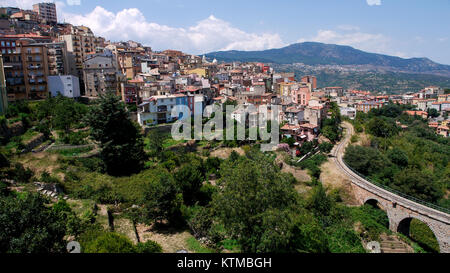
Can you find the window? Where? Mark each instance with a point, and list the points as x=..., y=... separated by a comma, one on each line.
x=3, y=43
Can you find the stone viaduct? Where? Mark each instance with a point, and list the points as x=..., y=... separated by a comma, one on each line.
x=400, y=210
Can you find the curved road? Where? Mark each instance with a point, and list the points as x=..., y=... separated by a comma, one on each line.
x=338, y=153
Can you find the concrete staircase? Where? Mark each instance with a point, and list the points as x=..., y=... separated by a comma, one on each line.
x=392, y=244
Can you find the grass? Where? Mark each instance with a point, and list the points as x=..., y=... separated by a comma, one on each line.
x=197, y=247
x=416, y=247
x=169, y=142
x=231, y=245
x=73, y=152
x=423, y=236
x=29, y=135
x=81, y=206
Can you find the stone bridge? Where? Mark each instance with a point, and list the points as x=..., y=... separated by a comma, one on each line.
x=400, y=210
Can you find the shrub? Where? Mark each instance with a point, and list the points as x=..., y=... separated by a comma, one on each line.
x=148, y=247
x=47, y=178
x=20, y=174
x=108, y=242
x=326, y=147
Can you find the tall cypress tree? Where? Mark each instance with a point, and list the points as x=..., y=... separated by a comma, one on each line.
x=122, y=147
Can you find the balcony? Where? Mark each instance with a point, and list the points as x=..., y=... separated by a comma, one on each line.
x=162, y=109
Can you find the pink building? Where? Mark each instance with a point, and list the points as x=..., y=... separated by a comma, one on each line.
x=301, y=96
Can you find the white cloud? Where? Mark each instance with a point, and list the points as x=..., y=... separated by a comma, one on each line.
x=376, y=43
x=207, y=35
x=23, y=4
x=348, y=27
x=373, y=2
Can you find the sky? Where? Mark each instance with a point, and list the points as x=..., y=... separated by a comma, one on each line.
x=404, y=28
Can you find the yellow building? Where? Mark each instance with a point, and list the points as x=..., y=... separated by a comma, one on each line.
x=287, y=87
x=203, y=72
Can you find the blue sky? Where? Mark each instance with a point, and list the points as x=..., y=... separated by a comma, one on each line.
x=405, y=28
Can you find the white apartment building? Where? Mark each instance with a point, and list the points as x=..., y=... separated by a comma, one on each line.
x=157, y=110
x=67, y=85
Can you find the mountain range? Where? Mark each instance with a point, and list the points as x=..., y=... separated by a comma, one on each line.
x=346, y=57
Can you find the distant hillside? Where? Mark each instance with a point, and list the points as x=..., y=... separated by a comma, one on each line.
x=318, y=54
x=389, y=82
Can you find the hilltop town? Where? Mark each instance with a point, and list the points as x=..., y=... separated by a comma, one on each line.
x=85, y=122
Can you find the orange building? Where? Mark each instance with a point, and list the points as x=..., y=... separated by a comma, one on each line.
x=310, y=79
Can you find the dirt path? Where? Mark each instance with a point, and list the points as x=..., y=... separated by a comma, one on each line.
x=333, y=178
x=224, y=153
x=170, y=240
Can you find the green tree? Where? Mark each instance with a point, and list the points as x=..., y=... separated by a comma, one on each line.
x=253, y=192
x=417, y=183
x=28, y=226
x=326, y=147
x=156, y=141
x=162, y=200
x=120, y=139
x=190, y=179
x=382, y=127
x=330, y=133
x=398, y=157
x=308, y=235
x=433, y=113
x=67, y=112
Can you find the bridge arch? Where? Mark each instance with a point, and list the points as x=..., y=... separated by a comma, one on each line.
x=374, y=202
x=404, y=227
x=378, y=204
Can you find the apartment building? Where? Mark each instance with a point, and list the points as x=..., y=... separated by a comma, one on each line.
x=286, y=88
x=80, y=43
x=26, y=71
x=367, y=106
x=100, y=74
x=129, y=63
x=335, y=91
x=301, y=96
x=129, y=93
x=66, y=85
x=9, y=42
x=58, y=61
x=3, y=98
x=47, y=12
x=159, y=109
x=311, y=80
